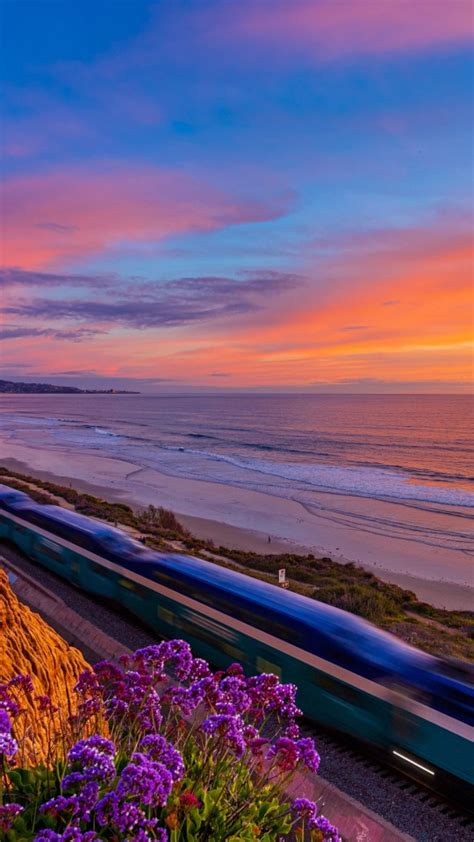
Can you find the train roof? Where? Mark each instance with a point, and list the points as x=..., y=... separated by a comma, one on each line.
x=353, y=631
x=69, y=516
x=103, y=532
x=9, y=493
x=357, y=635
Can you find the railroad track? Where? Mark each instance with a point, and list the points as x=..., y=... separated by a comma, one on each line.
x=411, y=807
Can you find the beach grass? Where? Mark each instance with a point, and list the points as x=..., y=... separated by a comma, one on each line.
x=347, y=586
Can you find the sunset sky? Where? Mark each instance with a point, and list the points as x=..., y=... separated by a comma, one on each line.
x=238, y=194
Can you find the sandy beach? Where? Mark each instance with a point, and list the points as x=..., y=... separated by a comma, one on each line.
x=245, y=519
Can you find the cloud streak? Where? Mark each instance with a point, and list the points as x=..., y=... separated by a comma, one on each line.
x=325, y=29
x=174, y=303
x=22, y=332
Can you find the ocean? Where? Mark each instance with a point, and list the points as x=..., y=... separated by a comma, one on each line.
x=330, y=453
x=410, y=447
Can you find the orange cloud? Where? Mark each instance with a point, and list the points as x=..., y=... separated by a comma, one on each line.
x=392, y=306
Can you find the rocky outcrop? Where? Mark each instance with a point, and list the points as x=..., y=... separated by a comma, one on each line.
x=29, y=646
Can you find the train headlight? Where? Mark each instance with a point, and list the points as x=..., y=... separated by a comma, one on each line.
x=413, y=762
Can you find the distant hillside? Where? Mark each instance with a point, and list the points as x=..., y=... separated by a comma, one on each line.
x=8, y=387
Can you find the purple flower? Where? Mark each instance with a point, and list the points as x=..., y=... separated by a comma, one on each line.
x=267, y=694
x=149, y=716
x=182, y=698
x=72, y=780
x=229, y=728
x=23, y=681
x=87, y=683
x=159, y=835
x=289, y=753
x=8, y=814
x=159, y=750
x=86, y=800
x=117, y=708
x=173, y=656
x=303, y=808
x=146, y=780
x=95, y=743
x=5, y=724
x=7, y=703
x=286, y=754
x=256, y=745
x=199, y=669
x=235, y=669
x=107, y=672
x=79, y=806
x=71, y=834
x=95, y=755
x=8, y=746
x=45, y=704
x=308, y=754
x=55, y=806
x=233, y=697
x=321, y=823
x=292, y=731
x=123, y=816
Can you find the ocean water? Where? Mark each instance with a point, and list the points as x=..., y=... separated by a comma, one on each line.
x=416, y=448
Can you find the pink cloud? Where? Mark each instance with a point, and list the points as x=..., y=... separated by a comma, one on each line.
x=331, y=28
x=60, y=216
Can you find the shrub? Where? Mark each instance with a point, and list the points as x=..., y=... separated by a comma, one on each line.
x=161, y=519
x=363, y=600
x=160, y=748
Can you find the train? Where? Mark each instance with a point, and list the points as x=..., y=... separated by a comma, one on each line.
x=415, y=709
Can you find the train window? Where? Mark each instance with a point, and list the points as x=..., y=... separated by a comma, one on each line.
x=195, y=630
x=231, y=607
x=181, y=586
x=67, y=531
x=132, y=586
x=34, y=517
x=76, y=536
x=49, y=549
x=22, y=530
x=337, y=688
x=268, y=666
x=232, y=651
x=99, y=569
x=166, y=615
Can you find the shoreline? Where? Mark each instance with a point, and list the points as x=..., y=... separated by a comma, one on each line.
x=242, y=514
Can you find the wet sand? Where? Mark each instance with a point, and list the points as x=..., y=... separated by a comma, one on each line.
x=244, y=519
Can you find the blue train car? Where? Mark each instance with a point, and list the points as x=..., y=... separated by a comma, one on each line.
x=351, y=676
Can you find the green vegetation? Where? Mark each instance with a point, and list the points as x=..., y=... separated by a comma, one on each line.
x=143, y=752
x=347, y=586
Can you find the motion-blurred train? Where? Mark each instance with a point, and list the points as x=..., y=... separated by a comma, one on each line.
x=351, y=676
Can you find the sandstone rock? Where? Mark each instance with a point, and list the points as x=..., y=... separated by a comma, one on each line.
x=29, y=646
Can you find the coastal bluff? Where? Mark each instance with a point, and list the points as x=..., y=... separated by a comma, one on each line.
x=29, y=646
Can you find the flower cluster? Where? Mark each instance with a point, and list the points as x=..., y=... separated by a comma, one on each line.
x=151, y=747
x=8, y=746
x=8, y=813
x=307, y=811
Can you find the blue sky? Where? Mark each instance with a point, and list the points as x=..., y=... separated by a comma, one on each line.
x=158, y=141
